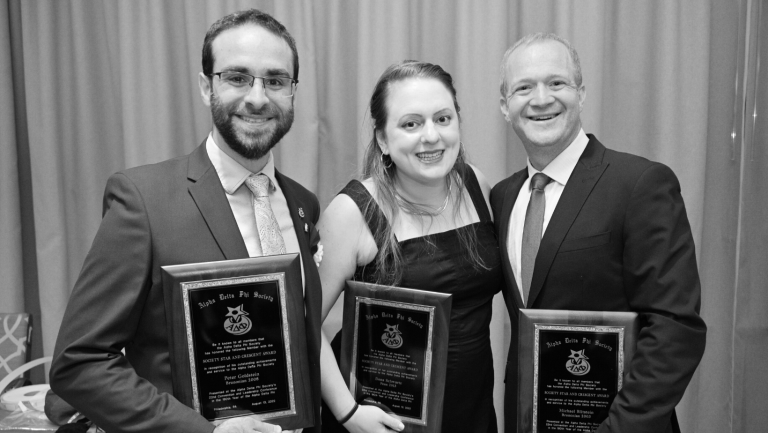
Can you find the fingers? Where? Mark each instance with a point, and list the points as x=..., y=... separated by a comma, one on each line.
x=392, y=423
x=372, y=419
x=246, y=425
x=263, y=427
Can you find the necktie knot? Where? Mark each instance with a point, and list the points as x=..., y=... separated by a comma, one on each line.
x=539, y=181
x=258, y=184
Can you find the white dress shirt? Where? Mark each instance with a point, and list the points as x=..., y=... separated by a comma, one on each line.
x=559, y=170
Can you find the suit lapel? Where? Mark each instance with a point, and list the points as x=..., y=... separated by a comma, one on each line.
x=294, y=204
x=510, y=196
x=583, y=179
x=210, y=198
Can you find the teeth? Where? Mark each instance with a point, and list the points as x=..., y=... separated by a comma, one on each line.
x=253, y=119
x=544, y=118
x=430, y=156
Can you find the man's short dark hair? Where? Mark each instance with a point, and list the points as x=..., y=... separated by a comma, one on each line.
x=236, y=19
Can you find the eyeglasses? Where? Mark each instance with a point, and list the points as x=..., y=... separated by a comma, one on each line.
x=526, y=89
x=242, y=82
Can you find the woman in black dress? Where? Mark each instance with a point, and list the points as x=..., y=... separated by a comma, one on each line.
x=419, y=219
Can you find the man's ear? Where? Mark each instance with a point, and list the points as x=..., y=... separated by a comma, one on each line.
x=382, y=142
x=504, y=108
x=205, y=84
x=582, y=97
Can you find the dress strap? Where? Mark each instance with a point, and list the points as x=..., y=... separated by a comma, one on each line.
x=368, y=207
x=476, y=193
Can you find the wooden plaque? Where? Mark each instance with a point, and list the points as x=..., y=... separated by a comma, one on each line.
x=571, y=366
x=237, y=339
x=394, y=348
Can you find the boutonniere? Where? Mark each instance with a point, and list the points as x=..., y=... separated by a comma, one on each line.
x=318, y=256
x=315, y=246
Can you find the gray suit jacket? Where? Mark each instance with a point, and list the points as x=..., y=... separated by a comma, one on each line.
x=173, y=212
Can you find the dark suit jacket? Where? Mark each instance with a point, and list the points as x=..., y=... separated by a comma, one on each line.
x=174, y=212
x=618, y=240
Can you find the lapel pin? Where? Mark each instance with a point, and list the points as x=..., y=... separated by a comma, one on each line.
x=301, y=212
x=306, y=228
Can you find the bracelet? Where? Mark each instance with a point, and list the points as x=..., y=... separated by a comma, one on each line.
x=349, y=415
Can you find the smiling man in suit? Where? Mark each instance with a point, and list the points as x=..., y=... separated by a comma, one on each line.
x=583, y=227
x=223, y=201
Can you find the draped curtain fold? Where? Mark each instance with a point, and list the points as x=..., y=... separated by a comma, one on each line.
x=11, y=267
x=88, y=88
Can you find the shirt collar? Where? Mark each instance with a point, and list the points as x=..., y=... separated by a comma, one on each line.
x=231, y=173
x=562, y=166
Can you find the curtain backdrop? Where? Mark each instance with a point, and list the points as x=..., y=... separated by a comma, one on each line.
x=88, y=88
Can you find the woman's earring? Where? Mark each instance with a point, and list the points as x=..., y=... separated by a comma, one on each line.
x=462, y=152
x=388, y=163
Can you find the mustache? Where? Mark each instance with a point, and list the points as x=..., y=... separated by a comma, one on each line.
x=266, y=110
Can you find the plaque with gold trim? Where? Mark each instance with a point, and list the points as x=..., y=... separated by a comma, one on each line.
x=571, y=366
x=237, y=340
x=394, y=348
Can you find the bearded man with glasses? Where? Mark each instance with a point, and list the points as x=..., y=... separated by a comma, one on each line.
x=204, y=207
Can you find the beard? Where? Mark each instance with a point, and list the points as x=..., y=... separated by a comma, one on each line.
x=250, y=144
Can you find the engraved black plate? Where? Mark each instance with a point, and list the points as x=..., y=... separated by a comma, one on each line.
x=578, y=376
x=393, y=356
x=239, y=348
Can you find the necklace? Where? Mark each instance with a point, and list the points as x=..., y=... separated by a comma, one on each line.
x=417, y=208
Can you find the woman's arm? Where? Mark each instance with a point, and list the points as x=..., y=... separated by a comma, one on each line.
x=346, y=242
x=345, y=236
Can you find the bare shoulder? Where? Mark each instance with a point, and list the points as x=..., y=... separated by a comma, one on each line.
x=341, y=212
x=343, y=226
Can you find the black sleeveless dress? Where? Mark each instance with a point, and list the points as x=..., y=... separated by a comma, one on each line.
x=436, y=263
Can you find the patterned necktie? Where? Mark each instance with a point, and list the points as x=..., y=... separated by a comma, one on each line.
x=270, y=236
x=534, y=222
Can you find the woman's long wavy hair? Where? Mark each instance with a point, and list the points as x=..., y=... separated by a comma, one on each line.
x=389, y=260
